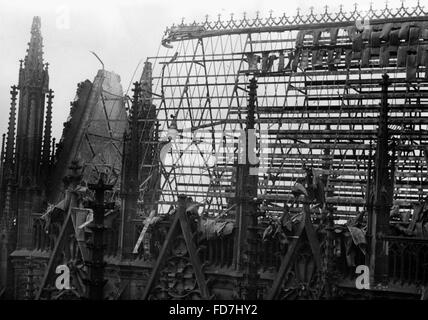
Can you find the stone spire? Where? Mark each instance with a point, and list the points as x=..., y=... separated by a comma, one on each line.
x=30, y=181
x=33, y=85
x=33, y=71
x=130, y=173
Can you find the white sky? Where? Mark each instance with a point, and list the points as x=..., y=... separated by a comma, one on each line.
x=120, y=32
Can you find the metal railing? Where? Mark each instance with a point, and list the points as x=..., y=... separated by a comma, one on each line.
x=298, y=19
x=408, y=260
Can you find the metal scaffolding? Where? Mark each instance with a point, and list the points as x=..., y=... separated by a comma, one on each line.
x=317, y=105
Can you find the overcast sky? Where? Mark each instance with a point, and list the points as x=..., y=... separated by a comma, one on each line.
x=120, y=32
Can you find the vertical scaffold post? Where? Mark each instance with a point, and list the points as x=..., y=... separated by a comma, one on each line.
x=96, y=265
x=379, y=220
x=246, y=194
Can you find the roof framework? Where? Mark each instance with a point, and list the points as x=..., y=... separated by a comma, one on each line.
x=318, y=104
